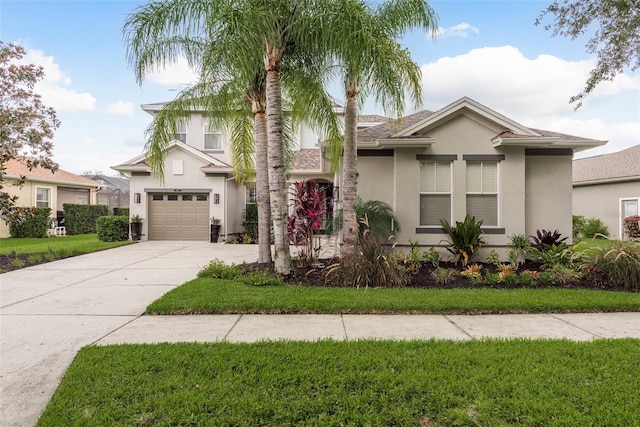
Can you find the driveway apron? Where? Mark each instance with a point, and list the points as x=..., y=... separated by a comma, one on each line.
x=48, y=312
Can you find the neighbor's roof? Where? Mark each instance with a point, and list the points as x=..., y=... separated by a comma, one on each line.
x=15, y=169
x=371, y=118
x=110, y=181
x=622, y=165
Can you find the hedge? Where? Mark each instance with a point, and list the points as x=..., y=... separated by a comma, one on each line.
x=81, y=219
x=113, y=228
x=121, y=212
x=35, y=224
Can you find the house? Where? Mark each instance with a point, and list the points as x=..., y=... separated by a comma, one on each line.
x=607, y=187
x=463, y=158
x=43, y=188
x=114, y=191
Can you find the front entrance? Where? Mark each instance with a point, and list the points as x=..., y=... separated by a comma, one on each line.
x=179, y=216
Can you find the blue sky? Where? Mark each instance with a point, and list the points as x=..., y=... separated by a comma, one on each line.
x=487, y=50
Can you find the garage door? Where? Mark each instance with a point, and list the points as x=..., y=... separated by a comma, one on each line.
x=179, y=216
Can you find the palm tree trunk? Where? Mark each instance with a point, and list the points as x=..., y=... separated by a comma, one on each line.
x=277, y=179
x=350, y=173
x=262, y=189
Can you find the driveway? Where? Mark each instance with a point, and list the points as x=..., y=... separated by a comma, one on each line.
x=48, y=312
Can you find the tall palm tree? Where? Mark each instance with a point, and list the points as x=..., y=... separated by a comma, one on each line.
x=374, y=63
x=284, y=36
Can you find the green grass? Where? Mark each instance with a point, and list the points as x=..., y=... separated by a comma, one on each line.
x=206, y=295
x=76, y=245
x=591, y=246
x=376, y=383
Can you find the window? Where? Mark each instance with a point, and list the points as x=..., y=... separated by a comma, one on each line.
x=212, y=140
x=181, y=134
x=435, y=192
x=43, y=197
x=172, y=197
x=158, y=197
x=187, y=197
x=482, y=191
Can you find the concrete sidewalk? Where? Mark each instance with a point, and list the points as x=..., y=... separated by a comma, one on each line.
x=48, y=312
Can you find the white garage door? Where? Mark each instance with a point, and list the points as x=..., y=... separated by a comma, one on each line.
x=179, y=216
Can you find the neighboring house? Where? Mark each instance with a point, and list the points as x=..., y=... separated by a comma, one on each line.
x=464, y=158
x=114, y=191
x=43, y=188
x=607, y=187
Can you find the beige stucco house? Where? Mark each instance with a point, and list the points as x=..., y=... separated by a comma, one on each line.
x=463, y=158
x=43, y=188
x=608, y=187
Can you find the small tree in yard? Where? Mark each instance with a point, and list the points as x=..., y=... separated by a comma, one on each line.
x=26, y=125
x=309, y=211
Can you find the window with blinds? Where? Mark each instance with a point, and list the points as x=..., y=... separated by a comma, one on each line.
x=212, y=140
x=435, y=192
x=181, y=134
x=482, y=191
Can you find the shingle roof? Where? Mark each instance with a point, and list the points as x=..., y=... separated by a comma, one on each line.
x=371, y=118
x=17, y=168
x=110, y=181
x=385, y=130
x=623, y=164
x=307, y=159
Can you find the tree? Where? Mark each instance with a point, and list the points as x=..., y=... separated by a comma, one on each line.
x=374, y=63
x=616, y=42
x=26, y=124
x=281, y=38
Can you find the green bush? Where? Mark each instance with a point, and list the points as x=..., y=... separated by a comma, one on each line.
x=121, y=212
x=578, y=225
x=250, y=220
x=373, y=215
x=35, y=223
x=632, y=226
x=262, y=278
x=617, y=266
x=81, y=219
x=465, y=238
x=594, y=228
x=217, y=269
x=113, y=228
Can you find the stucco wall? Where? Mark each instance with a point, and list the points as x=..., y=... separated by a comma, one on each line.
x=603, y=202
x=548, y=189
x=375, y=178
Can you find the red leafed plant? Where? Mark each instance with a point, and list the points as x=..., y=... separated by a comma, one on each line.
x=307, y=217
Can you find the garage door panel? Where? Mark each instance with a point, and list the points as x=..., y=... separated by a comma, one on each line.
x=178, y=217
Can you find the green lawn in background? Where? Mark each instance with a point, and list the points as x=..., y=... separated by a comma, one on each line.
x=373, y=383
x=76, y=245
x=591, y=246
x=205, y=295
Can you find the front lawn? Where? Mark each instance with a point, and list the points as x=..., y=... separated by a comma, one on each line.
x=376, y=383
x=205, y=295
x=23, y=252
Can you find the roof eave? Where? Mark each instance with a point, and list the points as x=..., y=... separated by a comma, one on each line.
x=55, y=181
x=547, y=142
x=383, y=143
x=607, y=181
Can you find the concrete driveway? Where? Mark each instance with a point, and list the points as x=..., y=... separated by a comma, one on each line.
x=48, y=312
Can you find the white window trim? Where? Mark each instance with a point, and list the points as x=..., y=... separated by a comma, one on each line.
x=439, y=193
x=206, y=130
x=35, y=195
x=488, y=193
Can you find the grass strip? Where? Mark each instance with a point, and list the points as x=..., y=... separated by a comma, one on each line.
x=211, y=296
x=375, y=383
x=77, y=244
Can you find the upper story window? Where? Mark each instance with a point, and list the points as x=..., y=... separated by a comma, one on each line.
x=212, y=139
x=435, y=192
x=43, y=197
x=482, y=191
x=181, y=135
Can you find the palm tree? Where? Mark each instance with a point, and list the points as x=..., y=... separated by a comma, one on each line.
x=284, y=36
x=374, y=63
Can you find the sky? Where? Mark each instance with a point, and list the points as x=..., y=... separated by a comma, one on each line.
x=490, y=51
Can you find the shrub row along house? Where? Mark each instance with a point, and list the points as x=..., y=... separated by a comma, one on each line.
x=45, y=189
x=462, y=159
x=608, y=187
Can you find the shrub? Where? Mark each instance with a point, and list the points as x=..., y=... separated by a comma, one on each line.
x=412, y=261
x=465, y=239
x=35, y=258
x=545, y=239
x=261, y=278
x=578, y=224
x=433, y=257
x=112, y=228
x=379, y=218
x=618, y=266
x=217, y=269
x=81, y=219
x=632, y=227
x=520, y=245
x=593, y=228
x=308, y=215
x=560, y=254
x=528, y=278
x=121, y=212
x=250, y=220
x=472, y=272
x=547, y=278
x=490, y=279
x=35, y=223
x=493, y=258
x=564, y=275
x=369, y=265
x=442, y=275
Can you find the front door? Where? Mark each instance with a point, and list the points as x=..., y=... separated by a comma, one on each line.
x=628, y=207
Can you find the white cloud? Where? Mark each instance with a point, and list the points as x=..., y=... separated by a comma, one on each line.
x=460, y=30
x=55, y=86
x=177, y=73
x=120, y=108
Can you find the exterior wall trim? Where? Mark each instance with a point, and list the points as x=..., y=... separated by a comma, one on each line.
x=177, y=190
x=548, y=152
x=388, y=152
x=483, y=157
x=437, y=157
x=440, y=230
